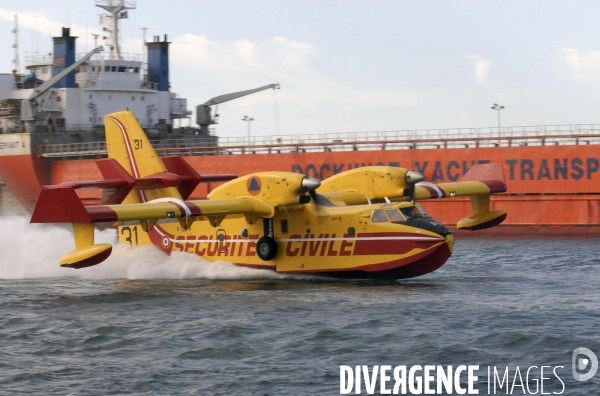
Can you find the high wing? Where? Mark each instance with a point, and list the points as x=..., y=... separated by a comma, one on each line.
x=483, y=179
x=60, y=204
x=379, y=183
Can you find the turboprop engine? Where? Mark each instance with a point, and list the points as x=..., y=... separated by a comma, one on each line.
x=275, y=188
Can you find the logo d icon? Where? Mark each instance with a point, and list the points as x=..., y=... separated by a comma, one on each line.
x=583, y=363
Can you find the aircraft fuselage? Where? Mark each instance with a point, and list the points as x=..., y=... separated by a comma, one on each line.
x=361, y=241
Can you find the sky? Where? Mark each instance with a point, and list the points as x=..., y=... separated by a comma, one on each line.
x=354, y=66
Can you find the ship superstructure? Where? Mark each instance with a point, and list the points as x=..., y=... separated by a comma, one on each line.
x=70, y=92
x=51, y=132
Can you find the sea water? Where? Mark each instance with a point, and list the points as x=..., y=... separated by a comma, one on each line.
x=144, y=323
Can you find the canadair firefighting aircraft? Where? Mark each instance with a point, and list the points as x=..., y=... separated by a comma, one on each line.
x=362, y=223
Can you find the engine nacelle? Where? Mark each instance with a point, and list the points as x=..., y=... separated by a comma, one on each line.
x=377, y=182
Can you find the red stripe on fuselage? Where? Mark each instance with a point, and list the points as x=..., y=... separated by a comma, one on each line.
x=384, y=247
x=410, y=267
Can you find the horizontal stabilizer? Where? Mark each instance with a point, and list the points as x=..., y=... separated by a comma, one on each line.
x=59, y=204
x=189, y=177
x=117, y=184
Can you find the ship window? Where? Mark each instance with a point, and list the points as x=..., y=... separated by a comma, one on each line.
x=351, y=231
x=379, y=216
x=122, y=69
x=106, y=68
x=137, y=70
x=109, y=97
x=93, y=68
x=114, y=68
x=284, y=227
x=133, y=98
x=142, y=99
x=90, y=96
x=394, y=215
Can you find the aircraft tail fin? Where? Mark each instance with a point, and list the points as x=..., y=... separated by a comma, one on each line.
x=128, y=144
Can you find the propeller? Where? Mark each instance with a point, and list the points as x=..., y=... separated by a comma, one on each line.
x=310, y=184
x=411, y=179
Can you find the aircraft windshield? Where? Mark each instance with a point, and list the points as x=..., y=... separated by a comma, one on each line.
x=386, y=215
x=422, y=210
x=379, y=216
x=411, y=211
x=394, y=215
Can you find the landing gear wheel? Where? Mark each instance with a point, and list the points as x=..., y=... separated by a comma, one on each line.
x=266, y=248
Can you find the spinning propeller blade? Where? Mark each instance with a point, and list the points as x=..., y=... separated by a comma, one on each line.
x=411, y=179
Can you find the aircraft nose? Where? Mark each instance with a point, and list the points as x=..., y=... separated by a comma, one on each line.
x=429, y=224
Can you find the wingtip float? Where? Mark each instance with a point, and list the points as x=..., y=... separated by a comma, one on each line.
x=362, y=223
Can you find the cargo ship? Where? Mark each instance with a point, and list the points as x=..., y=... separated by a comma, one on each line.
x=52, y=132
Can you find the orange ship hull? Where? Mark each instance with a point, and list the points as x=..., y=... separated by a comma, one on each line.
x=551, y=189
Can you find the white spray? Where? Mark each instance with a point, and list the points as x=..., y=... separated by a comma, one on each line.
x=33, y=251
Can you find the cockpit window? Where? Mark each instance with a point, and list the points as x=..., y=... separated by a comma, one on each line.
x=422, y=210
x=411, y=211
x=394, y=215
x=379, y=216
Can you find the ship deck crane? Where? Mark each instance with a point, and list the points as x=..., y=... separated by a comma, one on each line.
x=203, y=111
x=27, y=105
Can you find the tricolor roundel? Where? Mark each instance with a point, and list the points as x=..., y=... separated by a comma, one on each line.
x=254, y=185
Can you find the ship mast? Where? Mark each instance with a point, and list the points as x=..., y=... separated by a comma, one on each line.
x=15, y=31
x=117, y=10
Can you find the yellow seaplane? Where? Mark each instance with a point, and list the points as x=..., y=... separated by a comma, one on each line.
x=362, y=223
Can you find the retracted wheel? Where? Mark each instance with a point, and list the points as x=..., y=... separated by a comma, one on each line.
x=266, y=248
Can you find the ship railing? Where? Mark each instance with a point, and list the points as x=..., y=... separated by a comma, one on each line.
x=42, y=59
x=149, y=85
x=7, y=111
x=106, y=56
x=426, y=134
x=581, y=134
x=74, y=149
x=129, y=4
x=367, y=145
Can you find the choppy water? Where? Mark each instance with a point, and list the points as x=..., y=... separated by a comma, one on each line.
x=146, y=324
